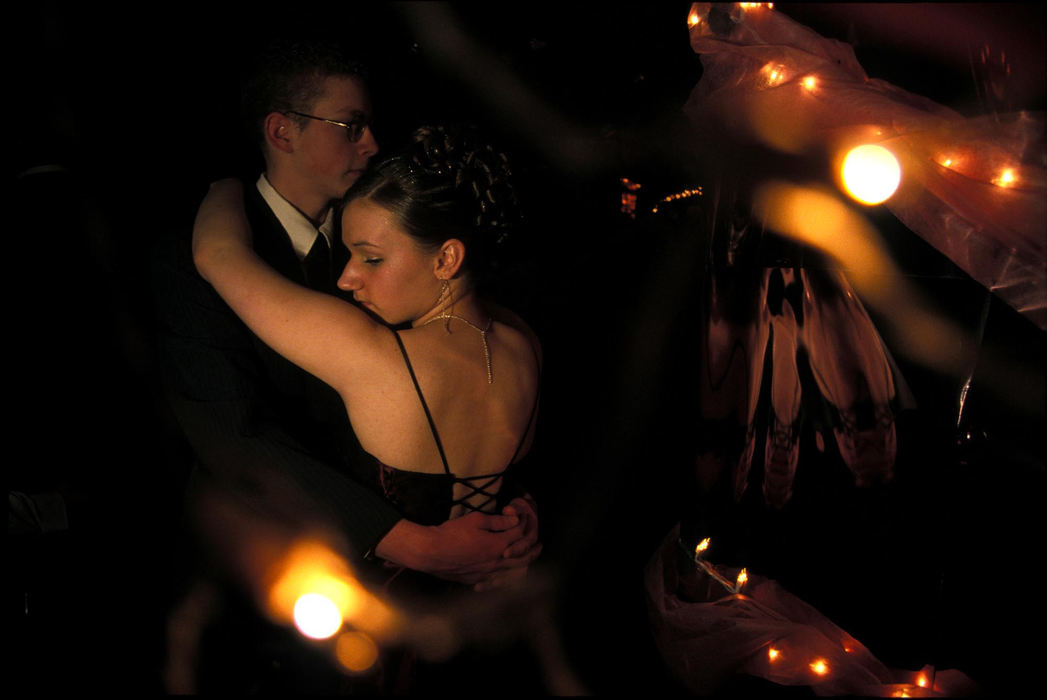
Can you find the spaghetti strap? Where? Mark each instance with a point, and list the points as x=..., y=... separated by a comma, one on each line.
x=425, y=406
x=479, y=484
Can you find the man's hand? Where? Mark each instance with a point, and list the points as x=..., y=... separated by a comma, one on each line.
x=519, y=555
x=474, y=549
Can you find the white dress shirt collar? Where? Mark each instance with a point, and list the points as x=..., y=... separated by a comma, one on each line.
x=299, y=228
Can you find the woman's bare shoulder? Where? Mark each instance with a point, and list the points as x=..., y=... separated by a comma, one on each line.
x=516, y=324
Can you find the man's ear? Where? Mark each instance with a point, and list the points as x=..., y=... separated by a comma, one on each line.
x=450, y=259
x=279, y=130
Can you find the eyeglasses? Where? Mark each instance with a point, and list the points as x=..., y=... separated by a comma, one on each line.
x=354, y=130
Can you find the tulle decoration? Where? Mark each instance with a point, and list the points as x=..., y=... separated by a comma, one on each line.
x=974, y=188
x=706, y=635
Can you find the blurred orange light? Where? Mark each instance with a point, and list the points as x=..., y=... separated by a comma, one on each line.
x=773, y=654
x=1006, y=178
x=693, y=18
x=820, y=667
x=702, y=546
x=921, y=680
x=743, y=576
x=810, y=82
x=773, y=74
x=356, y=651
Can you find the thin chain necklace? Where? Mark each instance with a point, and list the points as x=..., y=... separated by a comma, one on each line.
x=483, y=336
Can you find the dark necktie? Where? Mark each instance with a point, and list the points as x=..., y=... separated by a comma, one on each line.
x=317, y=263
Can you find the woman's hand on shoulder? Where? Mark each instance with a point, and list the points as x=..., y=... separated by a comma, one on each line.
x=221, y=225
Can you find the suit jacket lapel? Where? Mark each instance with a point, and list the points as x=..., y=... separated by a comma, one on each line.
x=271, y=241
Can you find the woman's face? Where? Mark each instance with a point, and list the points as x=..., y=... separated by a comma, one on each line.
x=388, y=273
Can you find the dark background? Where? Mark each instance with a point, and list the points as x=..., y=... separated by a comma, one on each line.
x=140, y=108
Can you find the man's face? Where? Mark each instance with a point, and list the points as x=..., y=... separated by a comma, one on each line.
x=324, y=158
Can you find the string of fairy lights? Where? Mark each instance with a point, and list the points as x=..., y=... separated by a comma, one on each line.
x=777, y=652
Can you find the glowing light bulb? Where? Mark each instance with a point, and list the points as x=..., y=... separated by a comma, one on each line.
x=820, y=667
x=1006, y=178
x=774, y=74
x=871, y=174
x=317, y=616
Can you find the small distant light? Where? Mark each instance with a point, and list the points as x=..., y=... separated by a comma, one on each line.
x=1006, y=178
x=773, y=654
x=774, y=74
x=693, y=18
x=810, y=82
x=820, y=667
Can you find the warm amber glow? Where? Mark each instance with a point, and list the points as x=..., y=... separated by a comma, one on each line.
x=922, y=681
x=1006, y=178
x=702, y=546
x=773, y=654
x=871, y=174
x=773, y=74
x=693, y=18
x=820, y=667
x=743, y=576
x=356, y=651
x=310, y=572
x=757, y=5
x=810, y=82
x=822, y=219
x=901, y=693
x=316, y=616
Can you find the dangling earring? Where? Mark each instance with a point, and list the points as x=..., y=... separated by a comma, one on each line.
x=445, y=294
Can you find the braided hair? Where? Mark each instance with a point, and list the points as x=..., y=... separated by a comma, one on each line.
x=448, y=182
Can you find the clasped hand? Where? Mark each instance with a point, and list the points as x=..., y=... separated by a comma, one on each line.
x=481, y=550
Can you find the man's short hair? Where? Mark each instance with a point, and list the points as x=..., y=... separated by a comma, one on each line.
x=288, y=75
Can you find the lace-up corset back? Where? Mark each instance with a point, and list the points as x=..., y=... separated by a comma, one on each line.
x=428, y=498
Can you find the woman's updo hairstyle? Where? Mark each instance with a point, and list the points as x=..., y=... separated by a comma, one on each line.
x=448, y=182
